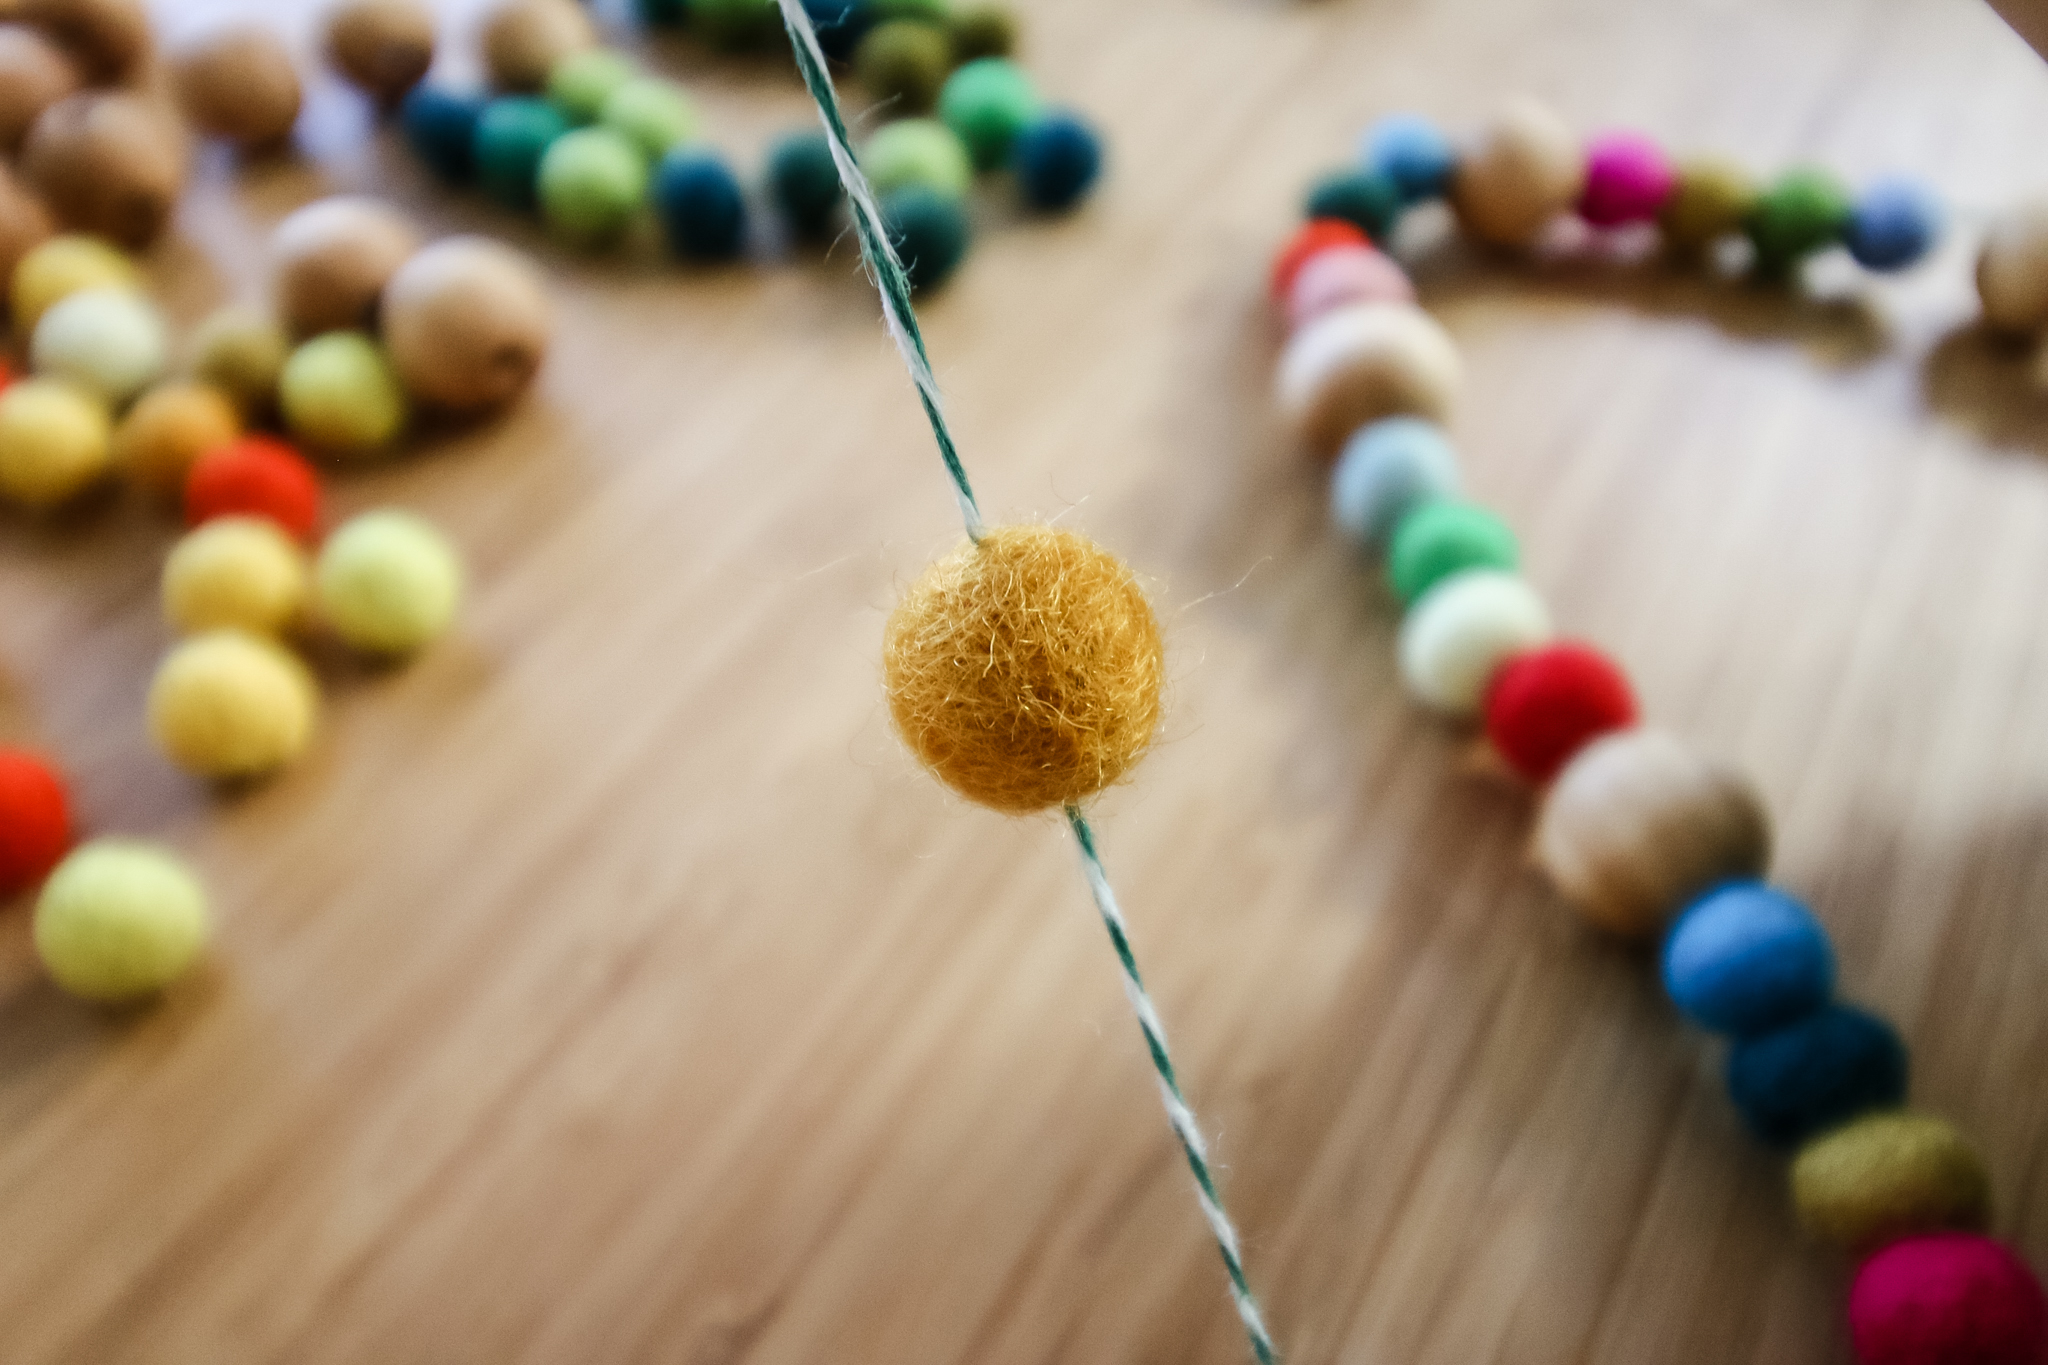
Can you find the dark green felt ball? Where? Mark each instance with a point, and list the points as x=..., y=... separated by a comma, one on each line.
x=803, y=182
x=930, y=232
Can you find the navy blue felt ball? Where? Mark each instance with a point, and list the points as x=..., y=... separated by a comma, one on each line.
x=1746, y=957
x=930, y=231
x=1815, y=1073
x=698, y=199
x=1056, y=160
x=1368, y=200
x=440, y=124
x=840, y=25
x=1893, y=225
x=804, y=182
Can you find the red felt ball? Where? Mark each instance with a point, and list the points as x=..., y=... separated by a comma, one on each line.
x=1947, y=1298
x=35, y=820
x=1545, y=706
x=1318, y=234
x=255, y=476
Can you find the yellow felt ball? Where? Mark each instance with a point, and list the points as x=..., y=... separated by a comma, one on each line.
x=56, y=441
x=119, y=920
x=234, y=571
x=60, y=267
x=388, y=582
x=229, y=704
x=1889, y=1175
x=338, y=392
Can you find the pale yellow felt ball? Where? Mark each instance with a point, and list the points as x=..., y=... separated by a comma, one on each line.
x=167, y=431
x=60, y=267
x=338, y=392
x=228, y=704
x=388, y=582
x=119, y=920
x=1360, y=363
x=1459, y=633
x=1523, y=170
x=109, y=340
x=234, y=571
x=56, y=440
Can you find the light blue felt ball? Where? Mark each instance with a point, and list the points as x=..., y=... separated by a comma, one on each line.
x=1746, y=957
x=1386, y=470
x=1893, y=224
x=1413, y=153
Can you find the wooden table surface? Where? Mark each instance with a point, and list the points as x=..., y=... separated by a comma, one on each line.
x=610, y=987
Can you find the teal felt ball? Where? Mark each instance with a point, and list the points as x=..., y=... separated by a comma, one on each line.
x=512, y=135
x=592, y=184
x=1445, y=536
x=930, y=233
x=1370, y=200
x=987, y=103
x=803, y=182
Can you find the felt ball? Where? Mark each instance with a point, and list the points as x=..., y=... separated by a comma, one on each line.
x=1368, y=199
x=839, y=24
x=1056, y=161
x=1412, y=152
x=1712, y=199
x=34, y=74
x=240, y=351
x=108, y=162
x=1746, y=958
x=106, y=39
x=1358, y=364
x=439, y=122
x=903, y=63
x=35, y=820
x=382, y=47
x=466, y=322
x=56, y=441
x=1801, y=213
x=240, y=572
x=1546, y=705
x=987, y=102
x=1339, y=276
x=1628, y=180
x=1816, y=1073
x=1524, y=169
x=1889, y=1175
x=330, y=259
x=921, y=152
x=109, y=340
x=592, y=184
x=1893, y=225
x=930, y=232
x=925, y=11
x=1025, y=671
x=2012, y=269
x=582, y=81
x=61, y=267
x=803, y=182
x=1317, y=235
x=255, y=476
x=982, y=31
x=169, y=429
x=512, y=135
x=1387, y=469
x=1458, y=635
x=120, y=920
x=524, y=40
x=1947, y=1298
x=734, y=24
x=654, y=115
x=24, y=222
x=1636, y=825
x=388, y=582
x=226, y=704
x=1445, y=536
x=338, y=392
x=238, y=81
x=702, y=210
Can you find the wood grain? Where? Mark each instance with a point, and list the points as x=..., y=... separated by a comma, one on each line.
x=609, y=987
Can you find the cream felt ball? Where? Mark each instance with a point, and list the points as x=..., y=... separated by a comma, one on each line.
x=110, y=341
x=228, y=704
x=466, y=322
x=238, y=571
x=1357, y=364
x=1523, y=170
x=56, y=441
x=388, y=582
x=1462, y=630
x=119, y=920
x=339, y=393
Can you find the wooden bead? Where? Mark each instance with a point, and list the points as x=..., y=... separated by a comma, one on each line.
x=34, y=74
x=383, y=47
x=107, y=39
x=239, y=82
x=1357, y=364
x=1637, y=825
x=1524, y=169
x=2012, y=271
x=330, y=260
x=466, y=322
x=523, y=39
x=24, y=223
x=108, y=162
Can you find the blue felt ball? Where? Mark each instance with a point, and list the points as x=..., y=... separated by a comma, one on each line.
x=698, y=199
x=930, y=232
x=1412, y=152
x=1056, y=160
x=840, y=25
x=440, y=124
x=1815, y=1073
x=1746, y=957
x=1893, y=225
x=1386, y=470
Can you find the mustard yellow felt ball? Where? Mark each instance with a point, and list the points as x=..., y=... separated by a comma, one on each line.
x=60, y=267
x=1889, y=1175
x=228, y=704
x=119, y=920
x=338, y=392
x=236, y=571
x=388, y=582
x=56, y=440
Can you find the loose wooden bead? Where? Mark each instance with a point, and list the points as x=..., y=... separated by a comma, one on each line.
x=1816, y=1073
x=255, y=476
x=1331, y=279
x=804, y=182
x=1386, y=469
x=239, y=572
x=1886, y=1176
x=1524, y=169
x=240, y=351
x=702, y=208
x=57, y=268
x=239, y=82
x=120, y=920
x=1550, y=703
x=34, y=74
x=466, y=322
x=1947, y=1298
x=388, y=583
x=1628, y=180
x=1712, y=199
x=382, y=47
x=55, y=442
x=110, y=341
x=35, y=820
x=440, y=127
x=1356, y=365
x=330, y=260
x=169, y=429
x=2012, y=270
x=840, y=24
x=1636, y=825
x=230, y=705
x=1457, y=637
x=524, y=39
x=987, y=103
x=1446, y=536
x=24, y=222
x=1746, y=958
x=903, y=64
x=107, y=39
x=108, y=162
x=339, y=393
x=734, y=25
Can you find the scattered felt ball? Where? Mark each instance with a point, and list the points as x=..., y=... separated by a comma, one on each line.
x=1445, y=536
x=987, y=102
x=1357, y=364
x=1893, y=224
x=1710, y=199
x=466, y=322
x=61, y=266
x=1522, y=171
x=109, y=340
x=1802, y=212
x=1889, y=1175
x=2012, y=269
x=439, y=123
x=240, y=351
x=120, y=920
x=930, y=232
x=1316, y=235
x=330, y=259
x=839, y=24
x=512, y=135
x=108, y=162
x=1816, y=1073
x=1025, y=671
x=592, y=184
x=917, y=152
x=255, y=476
x=1369, y=200
x=1056, y=160
x=242, y=572
x=980, y=31
x=1746, y=958
x=34, y=74
x=35, y=820
x=1628, y=180
x=1387, y=469
x=339, y=393
x=1339, y=276
x=904, y=63
x=803, y=182
x=388, y=582
x=382, y=47
x=1546, y=705
x=1947, y=1298
x=227, y=704
x=523, y=41
x=167, y=431
x=238, y=81
x=653, y=114
x=1413, y=152
x=702, y=209
x=1457, y=636
x=56, y=441
x=24, y=222
x=582, y=81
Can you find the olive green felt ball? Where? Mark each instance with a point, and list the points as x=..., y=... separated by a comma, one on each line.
x=903, y=64
x=1889, y=1175
x=388, y=582
x=119, y=920
x=1445, y=536
x=921, y=152
x=592, y=184
x=987, y=103
x=339, y=393
x=734, y=24
x=1803, y=212
x=582, y=81
x=653, y=114
x=983, y=31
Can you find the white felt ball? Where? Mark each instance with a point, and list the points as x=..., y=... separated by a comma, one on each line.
x=1358, y=364
x=1462, y=630
x=107, y=340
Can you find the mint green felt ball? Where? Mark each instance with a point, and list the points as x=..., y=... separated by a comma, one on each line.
x=653, y=114
x=987, y=103
x=339, y=393
x=582, y=81
x=1804, y=212
x=592, y=183
x=921, y=152
x=119, y=920
x=1446, y=536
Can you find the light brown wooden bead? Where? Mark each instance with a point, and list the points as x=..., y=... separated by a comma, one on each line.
x=1523, y=170
x=2012, y=269
x=239, y=82
x=1637, y=824
x=330, y=261
x=167, y=431
x=24, y=223
x=466, y=322
x=241, y=351
x=34, y=74
x=108, y=162
x=1357, y=364
x=383, y=47
x=523, y=39
x=108, y=39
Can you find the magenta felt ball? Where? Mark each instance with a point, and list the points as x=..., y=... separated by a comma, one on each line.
x=1628, y=178
x=1947, y=1298
x=1345, y=274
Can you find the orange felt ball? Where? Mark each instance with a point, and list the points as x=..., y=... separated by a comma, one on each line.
x=169, y=429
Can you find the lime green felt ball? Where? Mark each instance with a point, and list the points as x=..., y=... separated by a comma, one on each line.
x=652, y=114
x=921, y=152
x=582, y=81
x=592, y=183
x=388, y=582
x=987, y=103
x=1804, y=212
x=1445, y=536
x=338, y=392
x=119, y=920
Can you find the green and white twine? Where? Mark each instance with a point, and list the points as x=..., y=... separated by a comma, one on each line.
x=894, y=285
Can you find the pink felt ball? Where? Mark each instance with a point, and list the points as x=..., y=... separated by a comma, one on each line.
x=1947, y=1298
x=1627, y=181
x=1339, y=275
